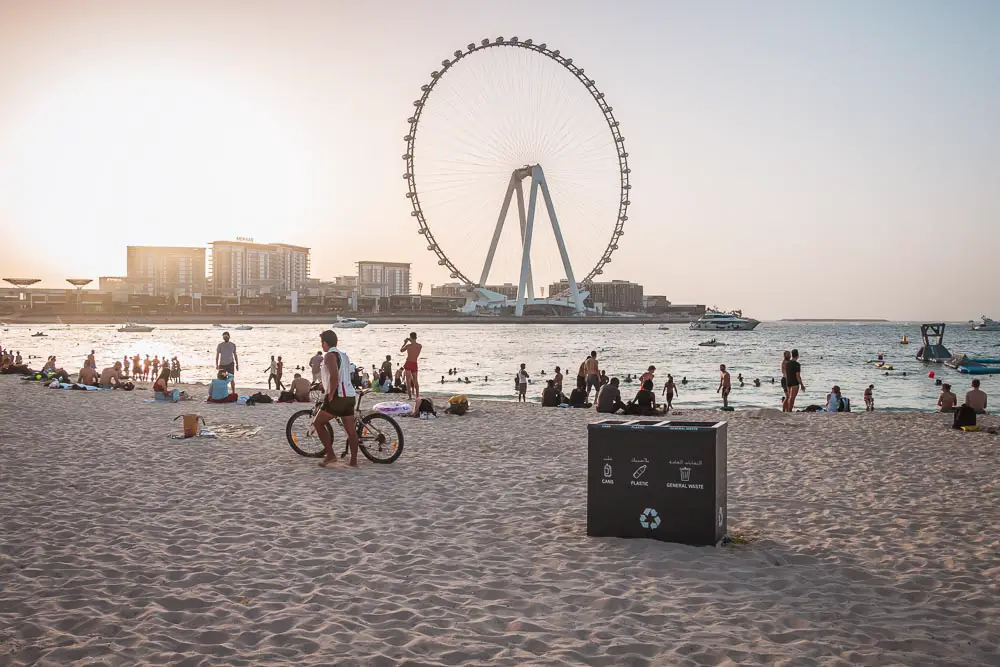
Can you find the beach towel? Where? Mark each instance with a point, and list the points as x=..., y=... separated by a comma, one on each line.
x=223, y=431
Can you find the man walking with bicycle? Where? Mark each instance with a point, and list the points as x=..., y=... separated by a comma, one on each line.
x=338, y=399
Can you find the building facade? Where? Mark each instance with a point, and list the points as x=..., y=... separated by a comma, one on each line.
x=165, y=271
x=244, y=268
x=620, y=296
x=378, y=279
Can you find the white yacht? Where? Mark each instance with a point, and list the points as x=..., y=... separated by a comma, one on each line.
x=131, y=327
x=714, y=320
x=986, y=325
x=243, y=327
x=350, y=323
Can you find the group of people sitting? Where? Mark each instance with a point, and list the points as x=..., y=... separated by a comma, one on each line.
x=975, y=398
x=609, y=400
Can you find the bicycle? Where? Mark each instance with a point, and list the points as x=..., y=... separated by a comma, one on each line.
x=380, y=437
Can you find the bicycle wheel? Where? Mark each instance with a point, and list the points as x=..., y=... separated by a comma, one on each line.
x=381, y=438
x=302, y=435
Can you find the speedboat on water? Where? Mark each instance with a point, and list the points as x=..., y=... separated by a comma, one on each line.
x=36, y=335
x=663, y=327
x=985, y=325
x=350, y=323
x=132, y=327
x=714, y=320
x=711, y=343
x=243, y=327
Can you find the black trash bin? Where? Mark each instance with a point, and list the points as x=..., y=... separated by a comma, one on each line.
x=664, y=480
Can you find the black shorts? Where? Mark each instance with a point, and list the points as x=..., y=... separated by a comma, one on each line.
x=338, y=406
x=229, y=368
x=793, y=383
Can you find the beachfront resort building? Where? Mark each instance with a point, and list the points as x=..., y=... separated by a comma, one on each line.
x=165, y=271
x=379, y=279
x=242, y=268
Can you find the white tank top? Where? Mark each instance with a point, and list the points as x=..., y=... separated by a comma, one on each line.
x=344, y=387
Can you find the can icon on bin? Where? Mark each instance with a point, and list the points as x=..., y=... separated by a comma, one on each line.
x=685, y=474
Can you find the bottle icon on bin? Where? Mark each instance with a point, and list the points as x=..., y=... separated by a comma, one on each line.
x=607, y=470
x=685, y=474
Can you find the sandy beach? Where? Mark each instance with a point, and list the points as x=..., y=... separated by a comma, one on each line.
x=872, y=541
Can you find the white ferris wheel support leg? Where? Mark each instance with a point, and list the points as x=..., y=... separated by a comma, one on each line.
x=514, y=182
x=574, y=292
x=521, y=218
x=526, y=242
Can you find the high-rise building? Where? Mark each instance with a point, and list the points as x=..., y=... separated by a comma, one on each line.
x=509, y=290
x=245, y=268
x=617, y=295
x=378, y=279
x=165, y=271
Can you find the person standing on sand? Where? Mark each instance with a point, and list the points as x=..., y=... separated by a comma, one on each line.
x=156, y=366
x=145, y=367
x=177, y=371
x=338, y=399
x=786, y=357
x=793, y=379
x=725, y=385
x=581, y=376
x=136, y=367
x=593, y=374
x=412, y=349
x=91, y=362
x=869, y=399
x=126, y=365
x=272, y=372
x=669, y=390
x=278, y=384
x=227, y=360
x=557, y=381
x=315, y=364
x=522, y=385
x=387, y=366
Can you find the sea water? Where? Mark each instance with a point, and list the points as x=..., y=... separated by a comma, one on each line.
x=490, y=354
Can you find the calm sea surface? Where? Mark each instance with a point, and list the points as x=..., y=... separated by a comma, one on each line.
x=489, y=355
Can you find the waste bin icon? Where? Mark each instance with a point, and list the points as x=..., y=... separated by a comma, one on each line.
x=685, y=474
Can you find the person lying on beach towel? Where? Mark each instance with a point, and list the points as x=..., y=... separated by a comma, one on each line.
x=218, y=391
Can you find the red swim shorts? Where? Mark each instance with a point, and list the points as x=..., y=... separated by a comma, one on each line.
x=410, y=366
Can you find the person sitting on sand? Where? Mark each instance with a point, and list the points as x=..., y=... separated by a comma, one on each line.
x=88, y=376
x=111, y=377
x=218, y=391
x=975, y=398
x=834, y=400
x=947, y=400
x=609, y=398
x=644, y=402
x=300, y=388
x=50, y=365
x=160, y=390
x=550, y=397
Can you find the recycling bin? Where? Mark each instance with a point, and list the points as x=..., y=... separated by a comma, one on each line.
x=658, y=479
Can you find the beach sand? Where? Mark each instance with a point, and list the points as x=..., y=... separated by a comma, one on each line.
x=874, y=542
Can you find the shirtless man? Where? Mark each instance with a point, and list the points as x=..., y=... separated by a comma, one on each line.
x=593, y=374
x=725, y=385
x=91, y=364
x=412, y=349
x=88, y=375
x=112, y=376
x=300, y=387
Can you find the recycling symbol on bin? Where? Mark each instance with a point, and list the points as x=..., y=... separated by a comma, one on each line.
x=649, y=518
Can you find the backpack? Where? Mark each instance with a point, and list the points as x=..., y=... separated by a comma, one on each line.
x=964, y=416
x=845, y=404
x=260, y=397
x=426, y=405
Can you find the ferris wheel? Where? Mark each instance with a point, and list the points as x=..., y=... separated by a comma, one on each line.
x=509, y=121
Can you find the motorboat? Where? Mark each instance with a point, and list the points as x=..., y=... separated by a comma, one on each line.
x=350, y=323
x=663, y=327
x=36, y=335
x=985, y=325
x=714, y=320
x=243, y=327
x=711, y=343
x=132, y=327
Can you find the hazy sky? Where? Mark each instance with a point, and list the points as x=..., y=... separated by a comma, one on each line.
x=794, y=159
